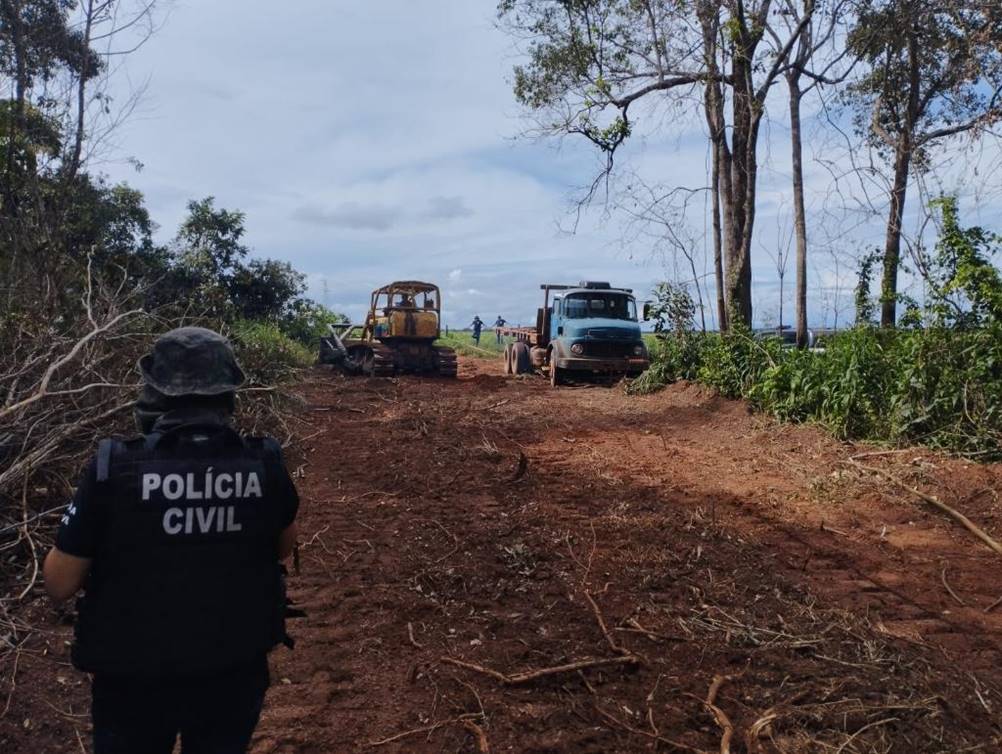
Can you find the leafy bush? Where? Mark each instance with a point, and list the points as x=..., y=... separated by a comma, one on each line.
x=938, y=387
x=845, y=387
x=676, y=348
x=267, y=354
x=307, y=321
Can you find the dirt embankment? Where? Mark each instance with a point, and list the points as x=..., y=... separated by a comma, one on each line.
x=720, y=578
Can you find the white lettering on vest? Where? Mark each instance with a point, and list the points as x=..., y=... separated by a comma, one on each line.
x=171, y=524
x=150, y=482
x=192, y=492
x=197, y=520
x=253, y=487
x=225, y=486
x=205, y=516
x=173, y=486
x=223, y=492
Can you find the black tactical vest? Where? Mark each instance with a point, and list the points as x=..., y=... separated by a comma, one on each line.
x=186, y=577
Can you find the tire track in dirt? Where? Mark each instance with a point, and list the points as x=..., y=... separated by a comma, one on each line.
x=680, y=513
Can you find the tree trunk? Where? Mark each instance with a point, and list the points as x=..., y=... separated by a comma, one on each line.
x=892, y=244
x=799, y=211
x=78, y=138
x=718, y=259
x=780, y=326
x=902, y=166
x=720, y=179
x=742, y=192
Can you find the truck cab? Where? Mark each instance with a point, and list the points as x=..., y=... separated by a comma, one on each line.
x=592, y=329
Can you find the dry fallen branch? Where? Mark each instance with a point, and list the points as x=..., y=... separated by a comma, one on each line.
x=726, y=726
x=529, y=676
x=853, y=737
x=410, y=635
x=425, y=729
x=936, y=503
x=605, y=631
x=43, y=387
x=483, y=746
x=646, y=734
x=949, y=589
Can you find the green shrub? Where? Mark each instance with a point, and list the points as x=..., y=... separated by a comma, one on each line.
x=307, y=321
x=267, y=354
x=947, y=391
x=845, y=387
x=733, y=362
x=938, y=387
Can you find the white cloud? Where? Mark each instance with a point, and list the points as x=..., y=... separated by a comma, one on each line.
x=371, y=141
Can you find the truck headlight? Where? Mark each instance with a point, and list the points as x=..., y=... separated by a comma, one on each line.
x=638, y=350
x=577, y=349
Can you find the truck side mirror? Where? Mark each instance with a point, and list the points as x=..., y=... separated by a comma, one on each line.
x=647, y=311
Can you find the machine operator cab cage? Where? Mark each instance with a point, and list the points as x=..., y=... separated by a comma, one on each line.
x=407, y=309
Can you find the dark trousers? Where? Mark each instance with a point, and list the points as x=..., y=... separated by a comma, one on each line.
x=213, y=714
x=476, y=336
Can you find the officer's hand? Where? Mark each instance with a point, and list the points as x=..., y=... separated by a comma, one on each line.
x=287, y=541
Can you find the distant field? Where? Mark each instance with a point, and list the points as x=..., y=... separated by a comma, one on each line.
x=462, y=341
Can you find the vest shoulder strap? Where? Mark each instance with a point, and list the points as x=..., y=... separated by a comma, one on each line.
x=104, y=449
x=110, y=447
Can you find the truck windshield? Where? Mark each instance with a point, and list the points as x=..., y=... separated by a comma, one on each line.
x=608, y=305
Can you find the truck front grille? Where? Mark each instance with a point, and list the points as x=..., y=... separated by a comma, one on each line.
x=606, y=349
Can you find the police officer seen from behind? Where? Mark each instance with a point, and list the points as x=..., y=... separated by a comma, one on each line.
x=176, y=538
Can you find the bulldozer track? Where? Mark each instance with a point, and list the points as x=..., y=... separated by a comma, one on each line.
x=446, y=362
x=383, y=364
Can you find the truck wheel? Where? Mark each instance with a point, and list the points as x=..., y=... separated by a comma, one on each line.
x=520, y=361
x=556, y=374
x=507, y=359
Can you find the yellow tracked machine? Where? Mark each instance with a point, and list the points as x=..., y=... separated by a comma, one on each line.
x=397, y=337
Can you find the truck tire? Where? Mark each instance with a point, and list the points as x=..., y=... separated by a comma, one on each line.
x=556, y=375
x=520, y=361
x=507, y=359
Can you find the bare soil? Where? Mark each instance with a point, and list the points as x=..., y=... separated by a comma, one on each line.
x=729, y=583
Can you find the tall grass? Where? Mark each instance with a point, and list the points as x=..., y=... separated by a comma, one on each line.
x=462, y=342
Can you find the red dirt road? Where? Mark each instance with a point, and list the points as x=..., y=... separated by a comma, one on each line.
x=734, y=584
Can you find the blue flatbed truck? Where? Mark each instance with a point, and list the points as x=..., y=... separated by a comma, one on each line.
x=585, y=330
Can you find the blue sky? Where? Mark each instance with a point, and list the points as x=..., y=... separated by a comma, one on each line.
x=371, y=141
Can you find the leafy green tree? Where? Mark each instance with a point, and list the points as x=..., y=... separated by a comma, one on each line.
x=589, y=61
x=672, y=309
x=264, y=289
x=864, y=280
x=307, y=321
x=933, y=71
x=209, y=240
x=965, y=285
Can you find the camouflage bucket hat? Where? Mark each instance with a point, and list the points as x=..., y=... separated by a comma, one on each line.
x=192, y=361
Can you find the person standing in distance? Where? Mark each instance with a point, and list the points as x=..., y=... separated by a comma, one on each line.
x=477, y=325
x=176, y=538
x=498, y=324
